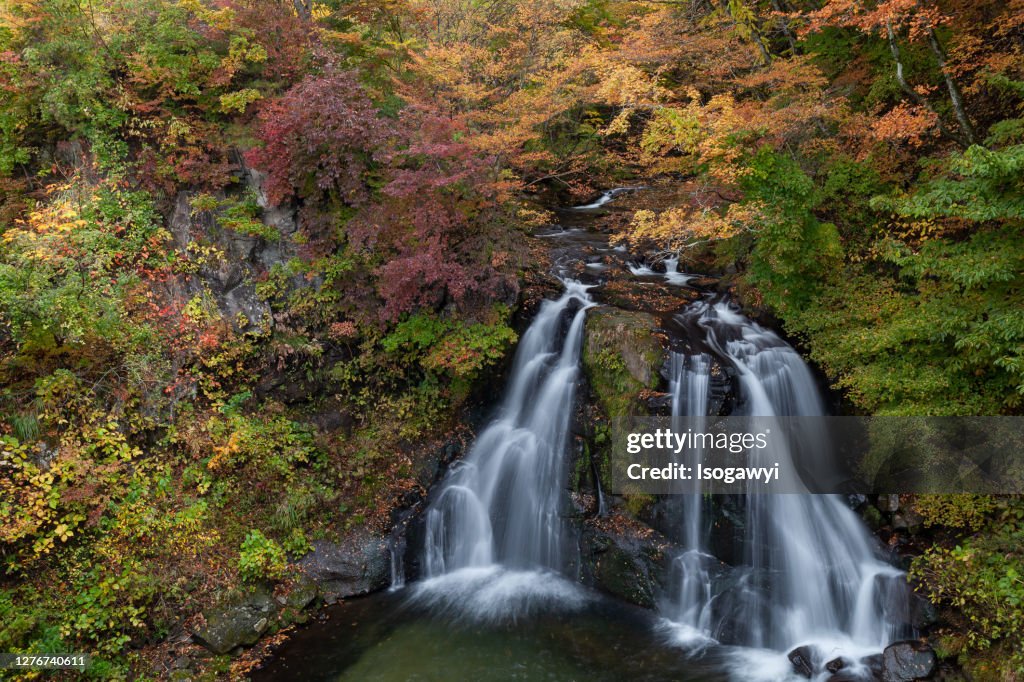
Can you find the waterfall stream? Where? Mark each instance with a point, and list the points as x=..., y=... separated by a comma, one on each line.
x=498, y=522
x=811, y=574
x=496, y=535
x=497, y=591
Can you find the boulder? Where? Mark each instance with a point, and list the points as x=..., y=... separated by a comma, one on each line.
x=907, y=661
x=623, y=557
x=836, y=664
x=802, y=659
x=847, y=676
x=872, y=517
x=357, y=565
x=625, y=575
x=238, y=622
x=621, y=357
x=907, y=520
x=873, y=664
x=889, y=503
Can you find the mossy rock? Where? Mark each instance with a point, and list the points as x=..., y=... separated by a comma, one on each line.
x=625, y=575
x=237, y=623
x=621, y=357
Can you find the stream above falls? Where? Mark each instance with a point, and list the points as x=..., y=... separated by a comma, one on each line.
x=500, y=587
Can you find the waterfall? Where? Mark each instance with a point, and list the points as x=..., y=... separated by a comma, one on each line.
x=498, y=519
x=690, y=388
x=811, y=575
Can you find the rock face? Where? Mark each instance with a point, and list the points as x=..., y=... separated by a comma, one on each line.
x=627, y=560
x=621, y=357
x=907, y=661
x=359, y=564
x=239, y=622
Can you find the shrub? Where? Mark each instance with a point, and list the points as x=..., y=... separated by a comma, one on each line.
x=261, y=558
x=982, y=579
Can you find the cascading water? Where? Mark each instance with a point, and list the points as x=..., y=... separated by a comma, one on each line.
x=498, y=519
x=690, y=387
x=500, y=553
x=811, y=574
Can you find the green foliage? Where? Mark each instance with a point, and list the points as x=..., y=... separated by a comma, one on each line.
x=238, y=215
x=982, y=579
x=934, y=325
x=795, y=254
x=261, y=558
x=110, y=607
x=451, y=346
x=962, y=510
x=271, y=445
x=979, y=185
x=66, y=274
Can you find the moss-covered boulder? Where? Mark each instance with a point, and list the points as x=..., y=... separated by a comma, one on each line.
x=238, y=622
x=621, y=357
x=624, y=558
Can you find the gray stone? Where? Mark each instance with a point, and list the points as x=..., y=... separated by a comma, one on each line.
x=923, y=613
x=236, y=623
x=626, y=559
x=802, y=659
x=357, y=565
x=907, y=520
x=907, y=661
x=889, y=503
x=301, y=594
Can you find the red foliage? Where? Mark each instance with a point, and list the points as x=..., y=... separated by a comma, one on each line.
x=433, y=227
x=318, y=139
x=283, y=34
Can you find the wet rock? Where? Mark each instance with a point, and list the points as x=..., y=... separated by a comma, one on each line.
x=907, y=520
x=728, y=528
x=742, y=601
x=802, y=659
x=923, y=613
x=872, y=517
x=627, y=559
x=659, y=404
x=655, y=297
x=836, y=664
x=357, y=565
x=889, y=503
x=907, y=661
x=874, y=665
x=237, y=623
x=856, y=501
x=847, y=676
x=624, y=575
x=621, y=357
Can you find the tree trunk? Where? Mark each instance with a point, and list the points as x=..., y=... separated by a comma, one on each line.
x=784, y=24
x=955, y=95
x=755, y=32
x=913, y=95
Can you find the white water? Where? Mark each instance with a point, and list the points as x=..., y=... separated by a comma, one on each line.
x=811, y=573
x=604, y=198
x=671, y=274
x=496, y=533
